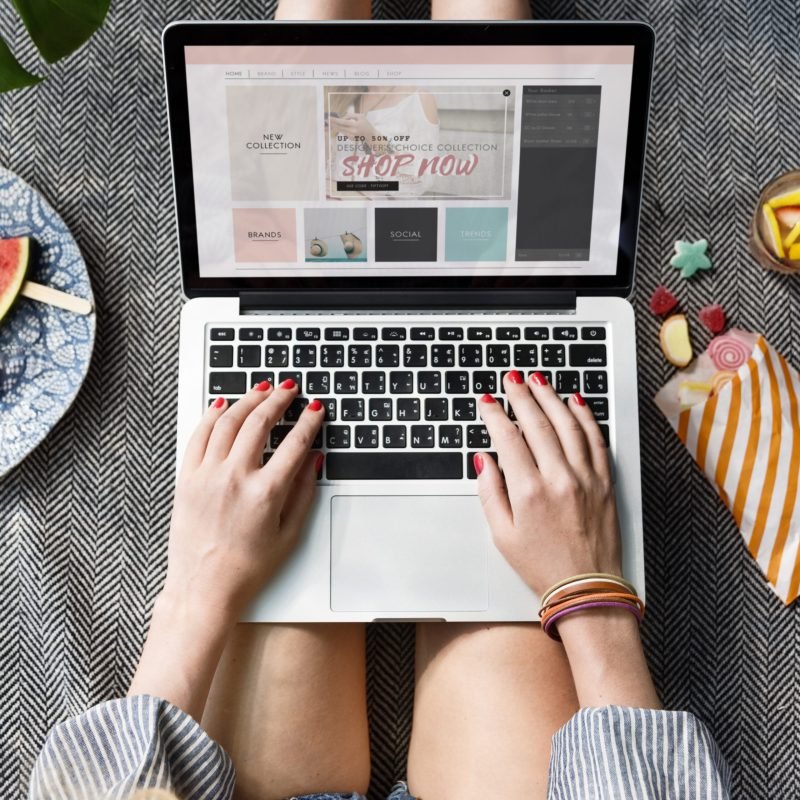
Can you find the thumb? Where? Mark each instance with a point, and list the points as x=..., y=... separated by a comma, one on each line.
x=493, y=493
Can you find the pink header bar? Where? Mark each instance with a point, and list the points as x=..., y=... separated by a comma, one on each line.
x=410, y=54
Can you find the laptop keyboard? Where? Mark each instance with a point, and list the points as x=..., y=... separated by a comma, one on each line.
x=401, y=400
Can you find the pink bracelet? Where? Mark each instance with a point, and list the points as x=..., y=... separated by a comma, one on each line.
x=549, y=625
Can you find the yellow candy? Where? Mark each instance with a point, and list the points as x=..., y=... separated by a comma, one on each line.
x=675, y=340
x=690, y=393
x=794, y=235
x=794, y=252
x=788, y=199
x=774, y=231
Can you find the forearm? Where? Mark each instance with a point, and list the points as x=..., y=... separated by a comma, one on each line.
x=607, y=659
x=181, y=654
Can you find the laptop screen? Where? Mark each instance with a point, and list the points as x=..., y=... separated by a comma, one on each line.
x=431, y=160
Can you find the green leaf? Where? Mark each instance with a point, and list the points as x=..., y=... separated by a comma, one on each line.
x=60, y=27
x=12, y=74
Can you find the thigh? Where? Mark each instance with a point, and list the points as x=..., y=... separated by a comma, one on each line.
x=288, y=703
x=480, y=9
x=488, y=699
x=324, y=9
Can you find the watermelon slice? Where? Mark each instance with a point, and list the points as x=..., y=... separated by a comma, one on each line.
x=14, y=259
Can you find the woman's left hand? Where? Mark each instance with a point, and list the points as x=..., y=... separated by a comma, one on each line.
x=355, y=125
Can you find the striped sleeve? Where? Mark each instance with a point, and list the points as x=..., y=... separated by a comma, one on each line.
x=128, y=744
x=616, y=753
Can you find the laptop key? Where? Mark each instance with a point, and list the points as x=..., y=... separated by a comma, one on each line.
x=587, y=355
x=336, y=436
x=605, y=432
x=479, y=333
x=227, y=382
x=451, y=436
x=308, y=334
x=365, y=334
x=435, y=408
x=387, y=355
x=373, y=382
x=463, y=408
x=345, y=383
x=470, y=355
x=279, y=334
x=478, y=437
x=408, y=408
x=352, y=408
x=366, y=436
x=565, y=333
x=251, y=334
x=393, y=334
x=412, y=465
x=336, y=334
x=220, y=355
x=593, y=333
x=415, y=355
x=380, y=409
x=221, y=334
x=331, y=355
x=423, y=436
x=258, y=377
x=545, y=373
x=401, y=382
x=419, y=334
x=471, y=474
x=537, y=334
x=304, y=355
x=249, y=355
x=451, y=334
x=429, y=382
x=595, y=382
x=275, y=355
x=295, y=409
x=394, y=436
x=553, y=355
x=497, y=355
x=568, y=382
x=526, y=355
x=278, y=434
x=329, y=404
x=484, y=382
x=456, y=382
x=359, y=355
x=504, y=334
x=443, y=355
x=318, y=382
x=599, y=406
x=297, y=377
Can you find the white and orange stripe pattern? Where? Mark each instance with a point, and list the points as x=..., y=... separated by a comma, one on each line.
x=746, y=439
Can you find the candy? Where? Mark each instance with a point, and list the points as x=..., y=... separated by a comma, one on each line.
x=712, y=317
x=774, y=230
x=662, y=301
x=727, y=352
x=675, y=340
x=792, y=236
x=720, y=379
x=788, y=215
x=794, y=252
x=788, y=199
x=690, y=257
x=690, y=393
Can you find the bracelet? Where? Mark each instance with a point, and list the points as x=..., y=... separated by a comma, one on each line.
x=582, y=597
x=549, y=624
x=589, y=576
x=581, y=586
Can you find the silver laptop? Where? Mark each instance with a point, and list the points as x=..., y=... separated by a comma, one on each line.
x=394, y=215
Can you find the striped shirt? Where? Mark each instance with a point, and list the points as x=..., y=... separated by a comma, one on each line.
x=609, y=753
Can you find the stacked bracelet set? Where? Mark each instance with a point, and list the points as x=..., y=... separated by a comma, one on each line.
x=584, y=592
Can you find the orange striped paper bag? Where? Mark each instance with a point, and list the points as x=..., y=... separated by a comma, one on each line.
x=736, y=410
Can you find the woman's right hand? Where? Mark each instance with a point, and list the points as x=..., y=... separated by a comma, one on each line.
x=552, y=509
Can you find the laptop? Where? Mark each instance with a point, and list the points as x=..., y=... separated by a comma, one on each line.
x=394, y=214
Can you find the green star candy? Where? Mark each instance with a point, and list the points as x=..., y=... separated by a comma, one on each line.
x=690, y=257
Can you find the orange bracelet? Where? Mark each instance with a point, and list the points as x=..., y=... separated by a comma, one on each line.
x=581, y=586
x=554, y=608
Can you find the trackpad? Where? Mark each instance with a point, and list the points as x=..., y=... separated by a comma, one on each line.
x=422, y=553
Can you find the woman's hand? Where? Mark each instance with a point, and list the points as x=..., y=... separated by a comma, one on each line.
x=553, y=516
x=233, y=524
x=234, y=520
x=552, y=511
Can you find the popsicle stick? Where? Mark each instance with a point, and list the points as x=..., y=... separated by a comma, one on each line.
x=55, y=297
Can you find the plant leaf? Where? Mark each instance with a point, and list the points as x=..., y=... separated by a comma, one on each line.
x=12, y=74
x=60, y=27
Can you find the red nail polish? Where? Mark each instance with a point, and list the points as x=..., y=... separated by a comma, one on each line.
x=319, y=462
x=539, y=379
x=219, y=402
x=263, y=386
x=314, y=405
x=487, y=398
x=514, y=377
x=477, y=462
x=288, y=384
x=578, y=399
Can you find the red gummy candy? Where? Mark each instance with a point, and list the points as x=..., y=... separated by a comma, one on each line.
x=662, y=301
x=712, y=317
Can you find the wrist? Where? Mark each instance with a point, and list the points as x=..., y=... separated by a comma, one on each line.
x=193, y=608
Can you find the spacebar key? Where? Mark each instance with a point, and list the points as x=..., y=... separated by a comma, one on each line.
x=393, y=466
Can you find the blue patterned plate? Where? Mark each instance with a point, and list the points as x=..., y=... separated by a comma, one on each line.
x=44, y=351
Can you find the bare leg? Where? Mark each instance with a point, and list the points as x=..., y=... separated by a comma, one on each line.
x=488, y=699
x=289, y=704
x=324, y=9
x=480, y=9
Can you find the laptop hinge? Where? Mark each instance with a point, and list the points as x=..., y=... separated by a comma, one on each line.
x=435, y=299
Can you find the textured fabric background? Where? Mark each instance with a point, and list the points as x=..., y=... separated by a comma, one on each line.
x=84, y=518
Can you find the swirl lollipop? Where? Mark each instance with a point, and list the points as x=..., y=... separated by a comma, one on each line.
x=728, y=353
